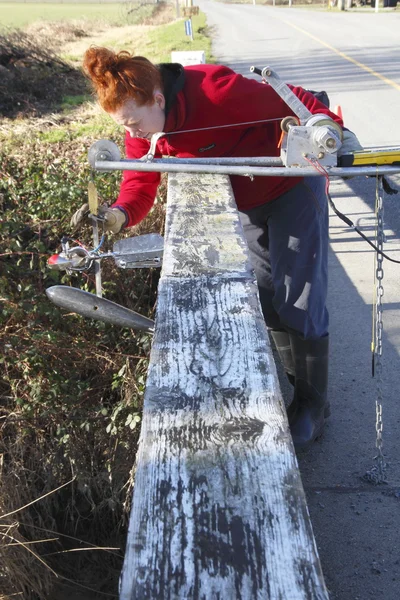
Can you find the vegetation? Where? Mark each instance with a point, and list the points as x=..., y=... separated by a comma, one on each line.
x=71, y=390
x=15, y=14
x=162, y=43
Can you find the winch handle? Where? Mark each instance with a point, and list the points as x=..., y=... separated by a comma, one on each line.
x=284, y=91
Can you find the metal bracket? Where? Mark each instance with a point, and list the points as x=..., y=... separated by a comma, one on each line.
x=153, y=145
x=142, y=251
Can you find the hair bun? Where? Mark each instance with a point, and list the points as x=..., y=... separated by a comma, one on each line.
x=117, y=77
x=100, y=64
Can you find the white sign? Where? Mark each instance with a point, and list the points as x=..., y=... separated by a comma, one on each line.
x=195, y=57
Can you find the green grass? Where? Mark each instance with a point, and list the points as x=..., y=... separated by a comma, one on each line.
x=54, y=136
x=69, y=102
x=163, y=40
x=15, y=14
x=156, y=44
x=99, y=127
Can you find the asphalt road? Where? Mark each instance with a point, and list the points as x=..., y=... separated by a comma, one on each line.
x=355, y=57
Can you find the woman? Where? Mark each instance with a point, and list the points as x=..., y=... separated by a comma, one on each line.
x=208, y=110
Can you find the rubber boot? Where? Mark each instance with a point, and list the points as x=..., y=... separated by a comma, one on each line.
x=310, y=407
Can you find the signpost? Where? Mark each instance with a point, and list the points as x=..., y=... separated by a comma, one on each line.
x=189, y=28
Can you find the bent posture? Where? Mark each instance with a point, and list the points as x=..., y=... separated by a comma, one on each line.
x=209, y=110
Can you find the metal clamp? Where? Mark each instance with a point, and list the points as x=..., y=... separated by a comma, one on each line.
x=153, y=145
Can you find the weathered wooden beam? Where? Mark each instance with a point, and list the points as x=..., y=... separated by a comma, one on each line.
x=218, y=510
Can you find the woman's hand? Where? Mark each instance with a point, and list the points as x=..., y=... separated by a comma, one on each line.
x=114, y=218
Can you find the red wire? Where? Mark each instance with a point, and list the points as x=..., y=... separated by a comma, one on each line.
x=79, y=243
x=318, y=167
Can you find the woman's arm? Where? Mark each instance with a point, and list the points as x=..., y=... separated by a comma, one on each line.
x=138, y=190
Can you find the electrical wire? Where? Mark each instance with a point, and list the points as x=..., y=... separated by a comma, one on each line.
x=103, y=237
x=318, y=167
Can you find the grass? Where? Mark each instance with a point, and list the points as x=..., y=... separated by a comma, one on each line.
x=15, y=14
x=130, y=38
x=160, y=43
x=72, y=101
x=100, y=127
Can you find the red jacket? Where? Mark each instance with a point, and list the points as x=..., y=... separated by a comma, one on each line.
x=213, y=96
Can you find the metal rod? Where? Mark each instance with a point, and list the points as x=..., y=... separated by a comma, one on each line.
x=95, y=257
x=261, y=161
x=97, y=269
x=167, y=166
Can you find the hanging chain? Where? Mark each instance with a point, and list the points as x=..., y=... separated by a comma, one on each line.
x=377, y=475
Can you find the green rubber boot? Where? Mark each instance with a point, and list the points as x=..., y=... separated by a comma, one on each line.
x=310, y=406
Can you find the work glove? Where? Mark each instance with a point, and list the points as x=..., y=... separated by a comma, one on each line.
x=350, y=143
x=114, y=218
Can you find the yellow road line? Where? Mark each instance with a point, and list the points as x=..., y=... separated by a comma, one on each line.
x=343, y=55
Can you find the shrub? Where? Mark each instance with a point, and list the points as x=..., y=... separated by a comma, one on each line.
x=71, y=389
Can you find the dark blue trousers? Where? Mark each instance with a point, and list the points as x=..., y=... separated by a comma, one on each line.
x=288, y=243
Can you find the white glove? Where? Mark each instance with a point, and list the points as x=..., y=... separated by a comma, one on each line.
x=114, y=218
x=350, y=143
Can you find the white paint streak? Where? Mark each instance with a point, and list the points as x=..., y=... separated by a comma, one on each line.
x=294, y=244
x=287, y=283
x=302, y=300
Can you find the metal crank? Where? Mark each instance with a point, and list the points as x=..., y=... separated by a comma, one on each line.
x=308, y=136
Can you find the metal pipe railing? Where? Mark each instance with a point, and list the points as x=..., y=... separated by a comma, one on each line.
x=230, y=167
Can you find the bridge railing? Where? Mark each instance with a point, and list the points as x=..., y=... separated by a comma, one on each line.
x=219, y=510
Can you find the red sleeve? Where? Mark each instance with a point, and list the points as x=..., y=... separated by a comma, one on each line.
x=314, y=105
x=138, y=189
x=243, y=97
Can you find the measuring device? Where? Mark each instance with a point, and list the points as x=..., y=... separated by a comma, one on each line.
x=368, y=158
x=143, y=251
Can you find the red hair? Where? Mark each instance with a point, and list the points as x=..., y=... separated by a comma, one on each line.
x=118, y=77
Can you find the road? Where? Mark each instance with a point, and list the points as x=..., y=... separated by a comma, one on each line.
x=354, y=56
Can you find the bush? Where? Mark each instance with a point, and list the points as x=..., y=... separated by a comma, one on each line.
x=71, y=389
x=32, y=78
